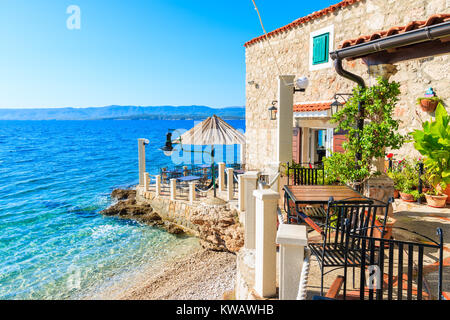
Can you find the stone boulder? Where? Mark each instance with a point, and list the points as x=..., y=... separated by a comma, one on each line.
x=219, y=228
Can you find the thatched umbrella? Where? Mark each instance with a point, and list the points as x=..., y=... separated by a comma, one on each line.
x=212, y=131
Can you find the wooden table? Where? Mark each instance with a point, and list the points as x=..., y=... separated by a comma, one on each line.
x=321, y=194
x=318, y=195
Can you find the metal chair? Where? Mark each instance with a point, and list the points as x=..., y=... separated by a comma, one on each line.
x=391, y=269
x=309, y=175
x=331, y=252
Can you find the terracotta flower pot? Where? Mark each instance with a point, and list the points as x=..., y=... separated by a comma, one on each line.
x=407, y=197
x=436, y=201
x=388, y=229
x=428, y=105
x=396, y=194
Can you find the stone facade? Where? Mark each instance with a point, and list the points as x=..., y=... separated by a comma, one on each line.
x=291, y=49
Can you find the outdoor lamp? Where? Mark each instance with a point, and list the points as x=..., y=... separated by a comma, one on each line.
x=335, y=106
x=168, y=148
x=301, y=83
x=273, y=111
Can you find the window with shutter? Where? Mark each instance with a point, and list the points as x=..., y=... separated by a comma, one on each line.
x=320, y=48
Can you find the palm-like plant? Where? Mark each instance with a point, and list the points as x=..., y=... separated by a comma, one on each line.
x=433, y=142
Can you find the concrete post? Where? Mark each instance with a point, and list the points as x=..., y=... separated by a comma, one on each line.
x=305, y=145
x=146, y=181
x=285, y=118
x=158, y=186
x=221, y=176
x=141, y=150
x=192, y=194
x=266, y=231
x=230, y=183
x=292, y=240
x=249, y=180
x=173, y=189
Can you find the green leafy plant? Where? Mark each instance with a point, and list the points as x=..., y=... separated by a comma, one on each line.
x=380, y=131
x=433, y=142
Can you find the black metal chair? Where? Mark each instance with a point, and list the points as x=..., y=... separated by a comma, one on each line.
x=311, y=174
x=331, y=252
x=393, y=271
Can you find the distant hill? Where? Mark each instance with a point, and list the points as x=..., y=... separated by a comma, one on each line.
x=123, y=113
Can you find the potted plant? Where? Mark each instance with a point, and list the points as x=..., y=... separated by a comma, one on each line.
x=430, y=101
x=379, y=221
x=433, y=142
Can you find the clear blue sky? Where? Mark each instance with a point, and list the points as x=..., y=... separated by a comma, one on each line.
x=134, y=52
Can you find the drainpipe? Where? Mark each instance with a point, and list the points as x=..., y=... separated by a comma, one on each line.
x=360, y=81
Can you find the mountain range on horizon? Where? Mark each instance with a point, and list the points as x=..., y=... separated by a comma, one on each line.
x=124, y=113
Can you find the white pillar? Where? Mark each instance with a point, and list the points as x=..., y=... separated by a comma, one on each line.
x=230, y=182
x=173, y=189
x=158, y=186
x=285, y=118
x=242, y=155
x=292, y=240
x=305, y=145
x=221, y=176
x=249, y=180
x=241, y=194
x=192, y=194
x=266, y=231
x=141, y=149
x=146, y=181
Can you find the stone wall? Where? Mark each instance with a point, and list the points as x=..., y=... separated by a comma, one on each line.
x=291, y=49
x=217, y=226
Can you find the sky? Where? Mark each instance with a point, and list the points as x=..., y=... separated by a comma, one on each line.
x=134, y=52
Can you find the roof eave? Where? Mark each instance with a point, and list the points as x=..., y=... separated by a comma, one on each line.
x=425, y=34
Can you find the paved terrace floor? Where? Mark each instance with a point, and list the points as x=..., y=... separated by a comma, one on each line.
x=412, y=216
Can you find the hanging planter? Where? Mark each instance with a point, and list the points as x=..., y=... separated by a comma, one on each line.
x=428, y=105
x=430, y=101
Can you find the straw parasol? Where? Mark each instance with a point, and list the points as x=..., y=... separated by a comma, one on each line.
x=212, y=131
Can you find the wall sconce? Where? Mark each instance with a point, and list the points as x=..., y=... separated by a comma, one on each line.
x=336, y=106
x=301, y=84
x=273, y=111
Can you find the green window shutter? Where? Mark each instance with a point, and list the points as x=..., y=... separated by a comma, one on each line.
x=320, y=48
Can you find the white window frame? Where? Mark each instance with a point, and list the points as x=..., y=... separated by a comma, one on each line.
x=312, y=35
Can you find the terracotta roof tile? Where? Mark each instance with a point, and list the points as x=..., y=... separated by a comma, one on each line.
x=413, y=25
x=307, y=107
x=312, y=16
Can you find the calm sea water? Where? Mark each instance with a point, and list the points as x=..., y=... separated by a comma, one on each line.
x=55, y=176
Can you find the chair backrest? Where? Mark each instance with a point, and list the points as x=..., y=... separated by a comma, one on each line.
x=305, y=174
x=364, y=216
x=393, y=269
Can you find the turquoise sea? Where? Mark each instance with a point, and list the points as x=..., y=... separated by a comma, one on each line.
x=55, y=177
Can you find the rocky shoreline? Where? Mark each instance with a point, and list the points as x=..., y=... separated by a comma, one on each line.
x=218, y=227
x=128, y=208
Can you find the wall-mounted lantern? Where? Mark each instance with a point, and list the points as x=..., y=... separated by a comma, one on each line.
x=273, y=111
x=336, y=106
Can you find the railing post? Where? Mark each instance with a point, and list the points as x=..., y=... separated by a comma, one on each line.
x=192, y=194
x=158, y=186
x=292, y=240
x=249, y=181
x=141, y=150
x=146, y=181
x=265, y=253
x=230, y=183
x=241, y=193
x=221, y=176
x=173, y=189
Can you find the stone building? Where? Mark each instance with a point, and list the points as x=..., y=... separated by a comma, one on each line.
x=302, y=48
